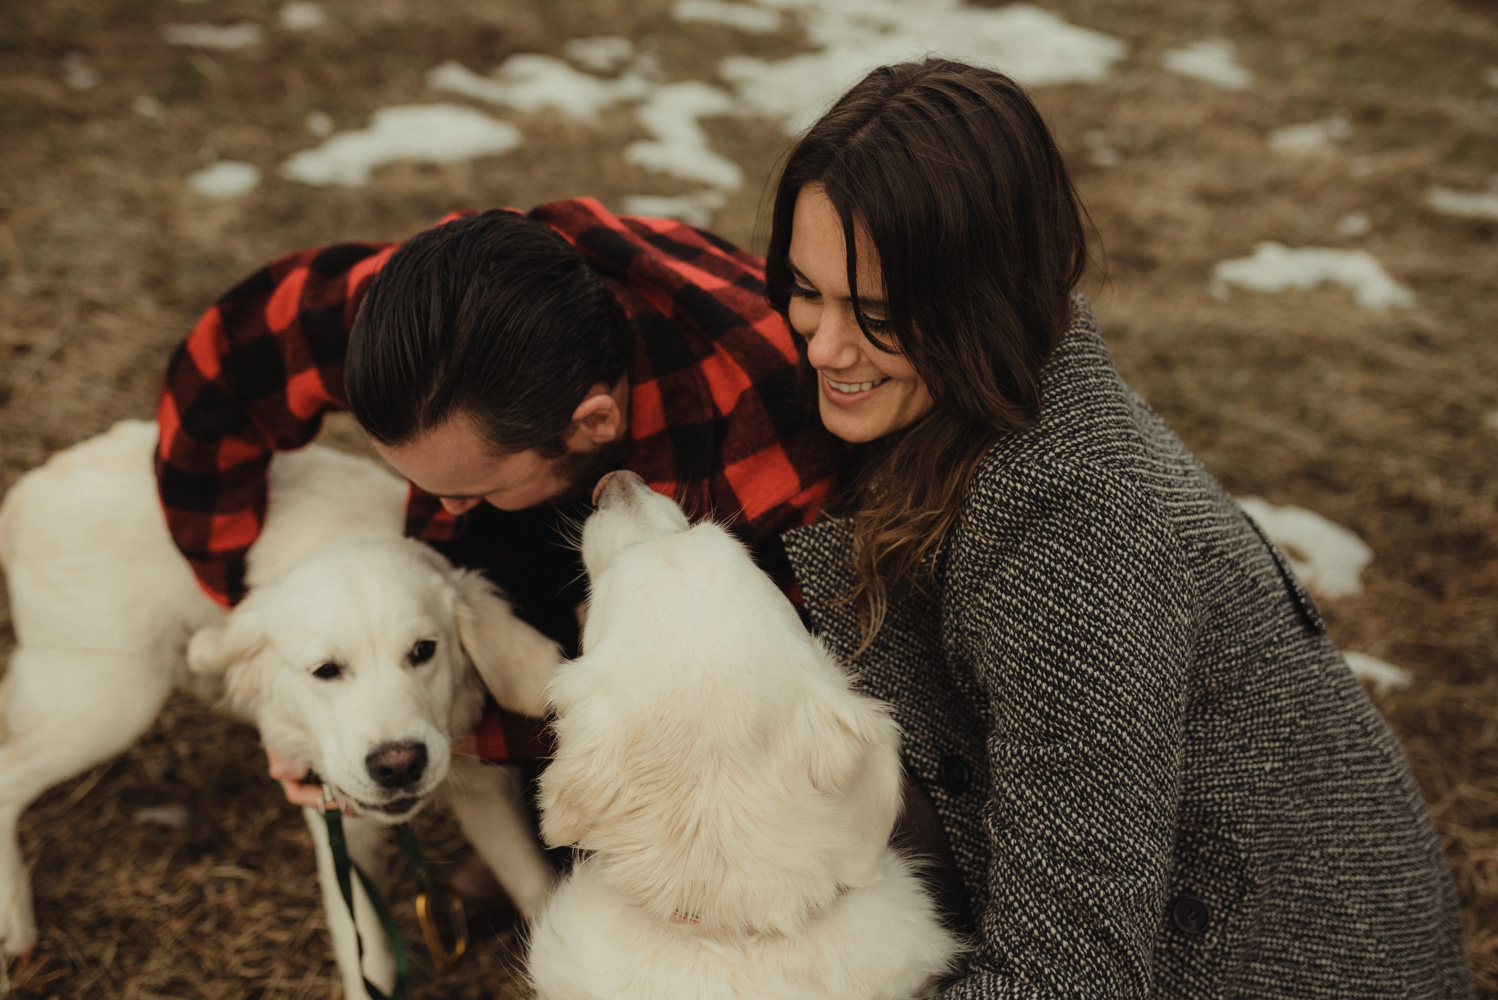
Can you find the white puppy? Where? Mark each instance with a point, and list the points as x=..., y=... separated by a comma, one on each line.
x=736, y=795
x=354, y=652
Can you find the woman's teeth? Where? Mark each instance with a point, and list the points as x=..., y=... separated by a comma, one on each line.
x=851, y=387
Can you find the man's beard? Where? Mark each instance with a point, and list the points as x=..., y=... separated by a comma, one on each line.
x=581, y=471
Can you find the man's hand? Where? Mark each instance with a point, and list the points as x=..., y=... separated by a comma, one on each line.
x=290, y=773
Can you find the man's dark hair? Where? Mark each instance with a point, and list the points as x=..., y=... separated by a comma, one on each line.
x=493, y=316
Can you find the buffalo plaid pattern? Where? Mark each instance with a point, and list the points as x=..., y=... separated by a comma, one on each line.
x=715, y=417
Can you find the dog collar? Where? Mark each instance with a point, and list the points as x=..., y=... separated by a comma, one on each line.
x=692, y=919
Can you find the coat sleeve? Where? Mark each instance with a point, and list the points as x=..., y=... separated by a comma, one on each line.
x=257, y=374
x=1074, y=612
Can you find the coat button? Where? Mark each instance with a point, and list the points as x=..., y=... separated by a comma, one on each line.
x=1189, y=914
x=952, y=774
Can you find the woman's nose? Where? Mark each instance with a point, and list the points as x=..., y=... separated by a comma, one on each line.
x=834, y=344
x=454, y=506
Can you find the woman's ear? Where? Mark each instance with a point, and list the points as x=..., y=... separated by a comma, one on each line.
x=514, y=660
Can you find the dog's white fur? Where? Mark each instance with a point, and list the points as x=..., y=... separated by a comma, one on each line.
x=104, y=608
x=736, y=793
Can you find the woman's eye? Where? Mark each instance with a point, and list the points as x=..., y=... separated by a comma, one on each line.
x=423, y=651
x=328, y=672
x=800, y=291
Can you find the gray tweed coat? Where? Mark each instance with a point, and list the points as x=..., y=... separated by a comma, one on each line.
x=1154, y=772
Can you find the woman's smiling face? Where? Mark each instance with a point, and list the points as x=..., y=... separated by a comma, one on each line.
x=863, y=393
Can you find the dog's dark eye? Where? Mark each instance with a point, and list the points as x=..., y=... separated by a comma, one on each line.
x=329, y=671
x=423, y=651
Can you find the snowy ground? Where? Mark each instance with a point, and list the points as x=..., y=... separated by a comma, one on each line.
x=1297, y=208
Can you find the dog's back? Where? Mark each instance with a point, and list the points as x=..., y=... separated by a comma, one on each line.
x=87, y=556
x=733, y=787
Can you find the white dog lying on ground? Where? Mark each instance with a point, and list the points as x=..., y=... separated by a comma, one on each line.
x=355, y=652
x=736, y=794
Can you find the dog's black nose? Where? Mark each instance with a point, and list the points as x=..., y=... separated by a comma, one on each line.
x=397, y=765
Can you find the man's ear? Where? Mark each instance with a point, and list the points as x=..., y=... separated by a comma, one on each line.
x=236, y=650
x=601, y=417
x=514, y=660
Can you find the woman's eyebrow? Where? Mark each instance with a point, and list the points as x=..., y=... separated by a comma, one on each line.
x=864, y=302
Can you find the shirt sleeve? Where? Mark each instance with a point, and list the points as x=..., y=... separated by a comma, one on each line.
x=256, y=375
x=1079, y=632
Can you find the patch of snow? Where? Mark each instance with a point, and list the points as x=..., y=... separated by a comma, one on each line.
x=215, y=36
x=695, y=209
x=1308, y=137
x=531, y=83
x=1380, y=675
x=1214, y=60
x=303, y=15
x=1325, y=556
x=1467, y=204
x=225, y=179
x=320, y=124
x=1355, y=224
x=1103, y=155
x=680, y=147
x=174, y=816
x=77, y=72
x=1275, y=267
x=1490, y=76
x=432, y=133
x=603, y=54
x=1034, y=46
x=743, y=16
x=147, y=106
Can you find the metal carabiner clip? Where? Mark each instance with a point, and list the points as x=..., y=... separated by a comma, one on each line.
x=457, y=924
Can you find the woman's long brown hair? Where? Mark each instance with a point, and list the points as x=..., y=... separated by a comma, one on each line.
x=967, y=201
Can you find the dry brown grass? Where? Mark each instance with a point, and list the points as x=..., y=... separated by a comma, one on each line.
x=1377, y=420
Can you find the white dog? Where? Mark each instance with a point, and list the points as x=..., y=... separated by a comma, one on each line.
x=354, y=652
x=736, y=794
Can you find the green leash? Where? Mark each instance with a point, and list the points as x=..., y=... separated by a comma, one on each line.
x=344, y=870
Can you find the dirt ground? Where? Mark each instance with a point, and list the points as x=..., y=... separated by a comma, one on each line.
x=1384, y=421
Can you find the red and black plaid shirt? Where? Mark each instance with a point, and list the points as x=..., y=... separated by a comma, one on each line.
x=714, y=417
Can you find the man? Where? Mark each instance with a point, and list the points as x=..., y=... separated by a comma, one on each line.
x=501, y=362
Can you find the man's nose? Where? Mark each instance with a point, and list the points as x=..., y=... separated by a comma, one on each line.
x=456, y=506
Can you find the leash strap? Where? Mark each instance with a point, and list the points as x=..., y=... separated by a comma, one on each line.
x=344, y=868
x=428, y=899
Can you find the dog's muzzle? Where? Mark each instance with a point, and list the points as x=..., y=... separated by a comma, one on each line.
x=615, y=486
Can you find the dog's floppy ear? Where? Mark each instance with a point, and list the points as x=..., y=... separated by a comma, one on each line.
x=585, y=779
x=236, y=650
x=514, y=660
x=852, y=752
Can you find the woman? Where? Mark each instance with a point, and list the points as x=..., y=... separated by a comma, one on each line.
x=1126, y=730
